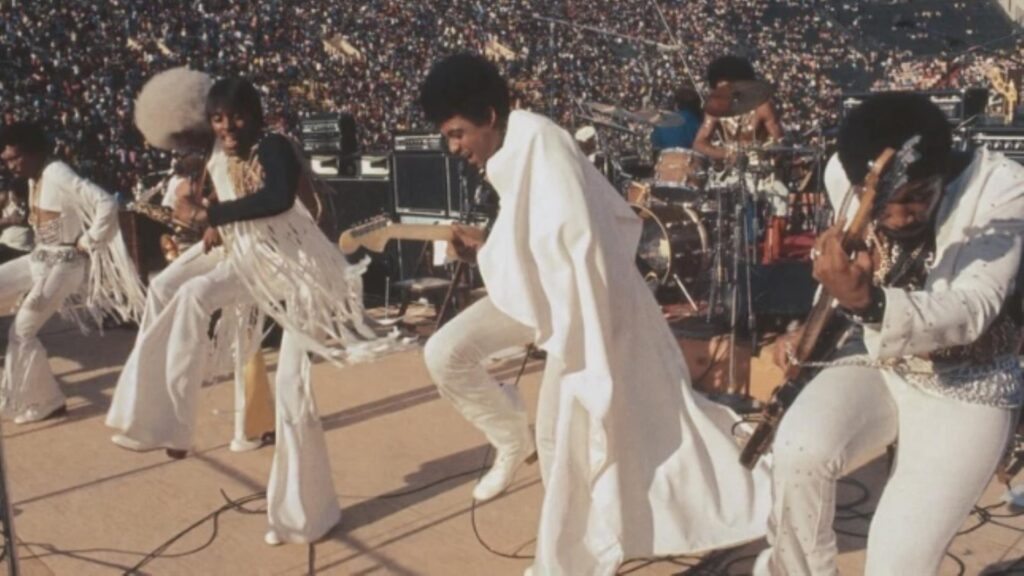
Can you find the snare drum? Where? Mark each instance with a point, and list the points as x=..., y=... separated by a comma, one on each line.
x=681, y=167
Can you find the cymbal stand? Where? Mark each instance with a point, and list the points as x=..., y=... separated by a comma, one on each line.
x=733, y=258
x=718, y=263
x=743, y=249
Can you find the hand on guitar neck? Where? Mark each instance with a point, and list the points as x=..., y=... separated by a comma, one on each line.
x=465, y=243
x=846, y=277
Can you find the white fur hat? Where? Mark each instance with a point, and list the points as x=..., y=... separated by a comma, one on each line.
x=172, y=102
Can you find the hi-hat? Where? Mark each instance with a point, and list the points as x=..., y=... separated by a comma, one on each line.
x=735, y=98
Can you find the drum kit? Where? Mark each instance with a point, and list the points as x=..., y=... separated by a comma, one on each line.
x=702, y=219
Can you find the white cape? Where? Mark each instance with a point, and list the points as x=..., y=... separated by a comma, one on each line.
x=642, y=466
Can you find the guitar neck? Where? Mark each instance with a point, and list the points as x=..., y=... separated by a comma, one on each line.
x=419, y=232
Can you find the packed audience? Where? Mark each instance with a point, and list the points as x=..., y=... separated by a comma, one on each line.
x=77, y=64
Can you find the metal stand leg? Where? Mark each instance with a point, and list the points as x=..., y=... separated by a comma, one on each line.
x=7, y=517
x=718, y=263
x=686, y=293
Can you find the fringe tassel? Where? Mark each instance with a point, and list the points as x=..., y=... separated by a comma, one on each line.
x=112, y=285
x=300, y=279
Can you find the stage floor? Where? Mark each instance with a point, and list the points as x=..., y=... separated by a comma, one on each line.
x=84, y=506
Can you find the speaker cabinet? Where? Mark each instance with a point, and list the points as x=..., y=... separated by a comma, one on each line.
x=354, y=200
x=428, y=183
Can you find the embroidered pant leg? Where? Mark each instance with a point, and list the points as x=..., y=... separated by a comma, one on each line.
x=27, y=378
x=455, y=357
x=843, y=417
x=947, y=454
x=138, y=407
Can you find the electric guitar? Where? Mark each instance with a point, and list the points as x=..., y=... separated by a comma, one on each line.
x=824, y=327
x=374, y=234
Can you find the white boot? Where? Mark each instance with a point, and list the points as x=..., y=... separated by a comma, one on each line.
x=760, y=567
x=506, y=462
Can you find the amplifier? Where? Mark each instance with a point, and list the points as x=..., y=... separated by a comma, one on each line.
x=355, y=200
x=329, y=134
x=957, y=105
x=1006, y=139
x=428, y=183
x=419, y=142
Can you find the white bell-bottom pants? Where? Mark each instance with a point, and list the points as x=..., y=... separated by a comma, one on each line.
x=302, y=505
x=27, y=378
x=947, y=453
x=455, y=357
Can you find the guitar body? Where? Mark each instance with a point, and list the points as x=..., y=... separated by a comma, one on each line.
x=823, y=327
x=375, y=234
x=822, y=332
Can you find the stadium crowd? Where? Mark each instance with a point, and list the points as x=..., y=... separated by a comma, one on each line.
x=78, y=64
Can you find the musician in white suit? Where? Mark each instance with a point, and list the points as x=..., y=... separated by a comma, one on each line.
x=930, y=361
x=634, y=463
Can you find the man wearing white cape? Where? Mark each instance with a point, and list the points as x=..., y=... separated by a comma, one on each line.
x=634, y=463
x=79, y=267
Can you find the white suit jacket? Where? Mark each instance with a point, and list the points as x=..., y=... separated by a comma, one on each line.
x=980, y=224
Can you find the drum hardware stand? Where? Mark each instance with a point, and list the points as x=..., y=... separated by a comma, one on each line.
x=722, y=280
x=686, y=293
x=741, y=250
x=718, y=262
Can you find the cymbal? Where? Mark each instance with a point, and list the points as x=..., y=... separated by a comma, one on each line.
x=606, y=109
x=658, y=118
x=605, y=123
x=735, y=98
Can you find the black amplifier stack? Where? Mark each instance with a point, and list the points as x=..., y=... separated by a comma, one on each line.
x=1005, y=138
x=418, y=182
x=428, y=182
x=331, y=138
x=959, y=106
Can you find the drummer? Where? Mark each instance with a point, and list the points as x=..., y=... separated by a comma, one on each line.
x=688, y=106
x=733, y=125
x=739, y=116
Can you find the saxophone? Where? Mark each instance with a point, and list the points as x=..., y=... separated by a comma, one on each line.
x=183, y=235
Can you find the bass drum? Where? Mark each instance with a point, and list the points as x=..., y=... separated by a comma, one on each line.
x=673, y=242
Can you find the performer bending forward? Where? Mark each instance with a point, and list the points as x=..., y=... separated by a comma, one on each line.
x=171, y=113
x=633, y=462
x=280, y=262
x=79, y=266
x=931, y=360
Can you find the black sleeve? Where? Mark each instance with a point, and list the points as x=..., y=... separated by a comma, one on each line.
x=281, y=178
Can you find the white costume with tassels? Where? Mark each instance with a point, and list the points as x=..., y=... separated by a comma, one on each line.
x=58, y=277
x=282, y=266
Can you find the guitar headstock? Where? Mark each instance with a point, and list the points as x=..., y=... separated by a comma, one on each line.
x=371, y=235
x=889, y=173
